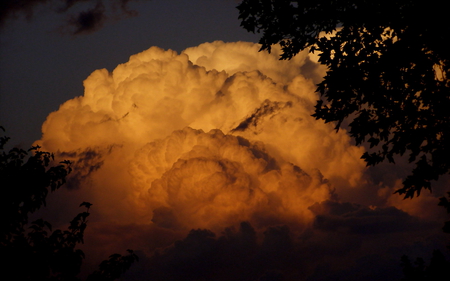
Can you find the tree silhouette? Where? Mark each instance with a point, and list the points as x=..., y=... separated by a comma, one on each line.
x=437, y=270
x=26, y=183
x=387, y=73
x=444, y=202
x=113, y=268
x=33, y=251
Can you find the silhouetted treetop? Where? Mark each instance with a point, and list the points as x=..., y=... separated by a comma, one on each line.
x=437, y=270
x=387, y=72
x=33, y=251
x=26, y=181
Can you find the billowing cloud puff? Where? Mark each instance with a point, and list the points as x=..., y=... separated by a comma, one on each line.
x=210, y=180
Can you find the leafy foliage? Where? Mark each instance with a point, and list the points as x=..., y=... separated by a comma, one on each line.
x=26, y=183
x=33, y=251
x=113, y=268
x=419, y=271
x=444, y=202
x=38, y=255
x=387, y=73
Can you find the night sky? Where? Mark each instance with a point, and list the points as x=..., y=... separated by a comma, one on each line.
x=205, y=160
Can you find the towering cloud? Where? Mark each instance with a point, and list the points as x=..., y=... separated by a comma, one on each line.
x=219, y=138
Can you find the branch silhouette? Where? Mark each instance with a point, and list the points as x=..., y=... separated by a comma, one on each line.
x=32, y=251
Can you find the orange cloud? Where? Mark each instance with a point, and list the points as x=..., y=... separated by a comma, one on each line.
x=217, y=137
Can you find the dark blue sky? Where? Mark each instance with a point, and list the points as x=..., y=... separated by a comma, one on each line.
x=40, y=68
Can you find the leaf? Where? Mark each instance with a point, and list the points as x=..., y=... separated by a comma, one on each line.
x=86, y=204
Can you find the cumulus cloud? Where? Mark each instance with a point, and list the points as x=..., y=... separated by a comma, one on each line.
x=159, y=91
x=216, y=148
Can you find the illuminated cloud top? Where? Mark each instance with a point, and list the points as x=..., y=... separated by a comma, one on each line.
x=231, y=103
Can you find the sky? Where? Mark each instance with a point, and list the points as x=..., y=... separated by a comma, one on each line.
x=200, y=153
x=41, y=66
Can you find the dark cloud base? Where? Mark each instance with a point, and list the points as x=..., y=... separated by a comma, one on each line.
x=346, y=242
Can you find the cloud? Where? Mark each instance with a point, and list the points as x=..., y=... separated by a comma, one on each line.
x=243, y=253
x=244, y=113
x=216, y=148
x=84, y=16
x=11, y=9
x=83, y=164
x=352, y=218
x=211, y=180
x=89, y=20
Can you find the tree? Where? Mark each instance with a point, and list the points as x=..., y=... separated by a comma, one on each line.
x=33, y=251
x=25, y=186
x=444, y=202
x=419, y=271
x=387, y=72
x=113, y=268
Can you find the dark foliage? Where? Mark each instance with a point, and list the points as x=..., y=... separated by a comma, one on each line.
x=113, y=268
x=32, y=251
x=444, y=202
x=26, y=182
x=387, y=73
x=437, y=270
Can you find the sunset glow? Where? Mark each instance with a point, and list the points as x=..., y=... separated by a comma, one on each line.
x=220, y=137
